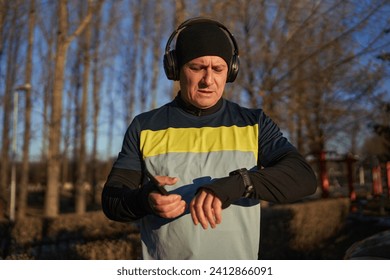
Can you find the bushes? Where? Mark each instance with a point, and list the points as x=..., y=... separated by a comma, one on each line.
x=298, y=231
x=304, y=230
x=71, y=236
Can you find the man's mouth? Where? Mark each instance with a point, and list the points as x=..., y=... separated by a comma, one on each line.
x=204, y=91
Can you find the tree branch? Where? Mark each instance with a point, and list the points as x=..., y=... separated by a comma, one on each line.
x=91, y=10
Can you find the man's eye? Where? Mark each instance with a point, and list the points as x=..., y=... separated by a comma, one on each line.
x=195, y=68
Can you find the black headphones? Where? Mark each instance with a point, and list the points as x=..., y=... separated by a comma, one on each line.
x=171, y=67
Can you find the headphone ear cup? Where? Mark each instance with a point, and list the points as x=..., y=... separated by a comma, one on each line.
x=170, y=66
x=233, y=69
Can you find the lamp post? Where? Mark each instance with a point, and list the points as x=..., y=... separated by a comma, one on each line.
x=14, y=149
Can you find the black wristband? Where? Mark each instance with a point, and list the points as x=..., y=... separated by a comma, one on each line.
x=243, y=172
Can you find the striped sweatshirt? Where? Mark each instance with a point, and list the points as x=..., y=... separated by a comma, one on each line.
x=201, y=147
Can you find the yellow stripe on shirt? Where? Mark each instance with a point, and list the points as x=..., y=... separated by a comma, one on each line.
x=199, y=140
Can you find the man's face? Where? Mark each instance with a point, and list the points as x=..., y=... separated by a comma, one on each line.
x=202, y=81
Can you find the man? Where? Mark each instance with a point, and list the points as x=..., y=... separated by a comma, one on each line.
x=192, y=172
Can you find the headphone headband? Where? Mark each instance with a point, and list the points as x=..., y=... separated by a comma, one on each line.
x=170, y=59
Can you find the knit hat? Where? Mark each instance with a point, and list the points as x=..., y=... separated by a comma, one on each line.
x=203, y=39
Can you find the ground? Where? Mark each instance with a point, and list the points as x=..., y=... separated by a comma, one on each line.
x=321, y=229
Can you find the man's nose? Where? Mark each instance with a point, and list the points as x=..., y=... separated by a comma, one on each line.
x=208, y=77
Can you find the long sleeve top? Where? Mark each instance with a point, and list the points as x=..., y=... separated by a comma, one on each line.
x=201, y=147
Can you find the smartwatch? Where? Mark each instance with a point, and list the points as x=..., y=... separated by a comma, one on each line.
x=243, y=172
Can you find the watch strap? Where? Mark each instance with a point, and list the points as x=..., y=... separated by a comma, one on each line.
x=243, y=172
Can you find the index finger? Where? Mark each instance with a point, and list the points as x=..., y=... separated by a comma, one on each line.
x=193, y=208
x=160, y=199
x=217, y=207
x=160, y=188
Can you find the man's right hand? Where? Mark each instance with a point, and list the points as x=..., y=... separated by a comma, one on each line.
x=166, y=206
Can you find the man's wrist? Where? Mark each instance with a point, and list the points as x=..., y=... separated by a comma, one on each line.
x=144, y=199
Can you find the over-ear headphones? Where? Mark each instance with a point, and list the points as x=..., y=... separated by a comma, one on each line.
x=171, y=67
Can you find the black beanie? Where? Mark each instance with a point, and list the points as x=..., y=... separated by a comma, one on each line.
x=203, y=39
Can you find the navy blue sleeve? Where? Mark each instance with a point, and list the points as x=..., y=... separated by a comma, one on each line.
x=123, y=199
x=125, y=193
x=130, y=155
x=272, y=143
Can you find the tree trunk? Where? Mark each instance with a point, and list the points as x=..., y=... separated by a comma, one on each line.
x=12, y=54
x=156, y=52
x=22, y=202
x=180, y=16
x=54, y=154
x=96, y=73
x=81, y=204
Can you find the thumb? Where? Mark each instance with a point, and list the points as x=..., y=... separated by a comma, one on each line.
x=166, y=180
x=172, y=180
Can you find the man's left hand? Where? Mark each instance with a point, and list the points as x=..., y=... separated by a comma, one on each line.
x=206, y=208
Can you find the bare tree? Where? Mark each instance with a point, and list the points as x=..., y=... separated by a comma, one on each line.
x=146, y=28
x=46, y=22
x=12, y=50
x=54, y=155
x=131, y=51
x=22, y=201
x=82, y=162
x=180, y=16
x=4, y=7
x=157, y=38
x=299, y=55
x=96, y=83
x=108, y=67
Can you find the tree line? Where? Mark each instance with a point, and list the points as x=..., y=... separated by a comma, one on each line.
x=83, y=69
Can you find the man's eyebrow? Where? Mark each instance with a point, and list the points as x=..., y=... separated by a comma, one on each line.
x=195, y=63
x=204, y=64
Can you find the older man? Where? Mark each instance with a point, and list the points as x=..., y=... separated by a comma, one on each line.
x=193, y=171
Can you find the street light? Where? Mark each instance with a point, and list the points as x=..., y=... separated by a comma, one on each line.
x=12, y=207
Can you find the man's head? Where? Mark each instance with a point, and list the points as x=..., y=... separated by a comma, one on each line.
x=200, y=36
x=204, y=59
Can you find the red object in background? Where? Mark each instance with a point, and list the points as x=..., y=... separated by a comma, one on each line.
x=350, y=160
x=377, y=188
x=324, y=175
x=388, y=178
